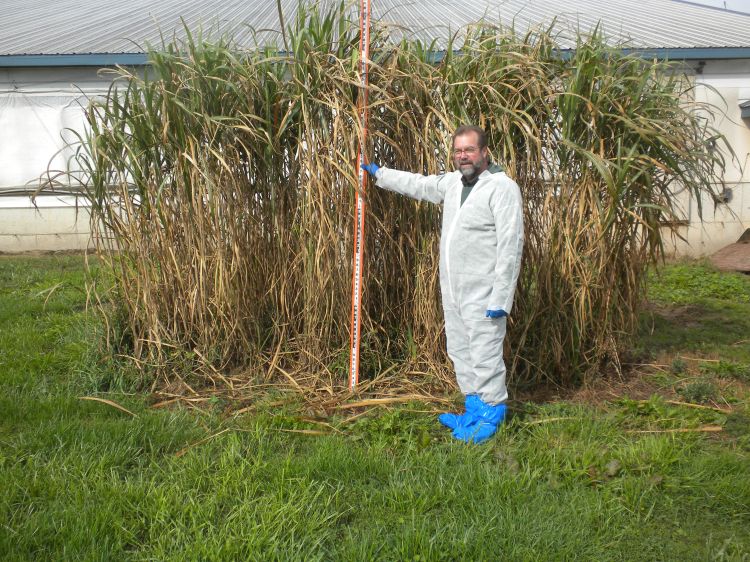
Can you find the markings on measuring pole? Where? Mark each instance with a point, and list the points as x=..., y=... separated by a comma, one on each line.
x=359, y=218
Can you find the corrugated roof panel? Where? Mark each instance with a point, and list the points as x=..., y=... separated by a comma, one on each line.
x=101, y=26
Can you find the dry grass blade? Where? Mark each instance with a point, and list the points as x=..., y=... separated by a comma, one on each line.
x=108, y=403
x=699, y=406
x=48, y=292
x=315, y=432
x=384, y=401
x=181, y=452
x=550, y=420
x=704, y=429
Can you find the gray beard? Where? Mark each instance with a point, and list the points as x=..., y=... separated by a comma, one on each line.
x=469, y=173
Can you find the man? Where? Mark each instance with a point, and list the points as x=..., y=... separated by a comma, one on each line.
x=480, y=259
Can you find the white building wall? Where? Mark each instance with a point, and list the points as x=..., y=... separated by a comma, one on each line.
x=56, y=223
x=38, y=109
x=724, y=84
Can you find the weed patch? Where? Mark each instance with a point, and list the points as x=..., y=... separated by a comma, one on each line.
x=698, y=392
x=687, y=283
x=727, y=369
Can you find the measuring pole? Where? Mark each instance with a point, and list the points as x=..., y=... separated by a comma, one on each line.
x=359, y=217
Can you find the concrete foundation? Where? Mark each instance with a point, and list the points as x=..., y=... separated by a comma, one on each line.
x=55, y=224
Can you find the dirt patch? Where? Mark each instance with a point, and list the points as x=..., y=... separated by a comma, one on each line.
x=633, y=383
x=735, y=257
x=663, y=375
x=685, y=314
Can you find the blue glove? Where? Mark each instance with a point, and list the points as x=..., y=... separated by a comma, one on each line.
x=481, y=424
x=496, y=313
x=371, y=168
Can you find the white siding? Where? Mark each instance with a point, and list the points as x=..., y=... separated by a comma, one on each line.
x=724, y=84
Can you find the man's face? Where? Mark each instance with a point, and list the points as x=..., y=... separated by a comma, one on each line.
x=468, y=158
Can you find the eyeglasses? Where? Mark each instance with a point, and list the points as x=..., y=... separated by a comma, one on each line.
x=469, y=151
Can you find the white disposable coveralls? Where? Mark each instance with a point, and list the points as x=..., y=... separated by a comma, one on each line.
x=480, y=259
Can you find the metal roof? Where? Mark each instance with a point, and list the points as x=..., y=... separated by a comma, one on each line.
x=102, y=30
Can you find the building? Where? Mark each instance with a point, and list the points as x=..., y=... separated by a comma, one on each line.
x=52, y=56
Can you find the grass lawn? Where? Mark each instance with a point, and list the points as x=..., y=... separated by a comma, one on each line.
x=652, y=467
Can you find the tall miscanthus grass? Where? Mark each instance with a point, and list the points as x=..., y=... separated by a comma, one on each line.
x=223, y=181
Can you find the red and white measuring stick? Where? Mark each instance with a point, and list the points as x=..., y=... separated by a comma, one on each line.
x=359, y=218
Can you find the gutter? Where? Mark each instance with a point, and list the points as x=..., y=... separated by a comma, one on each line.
x=141, y=59
x=90, y=59
x=697, y=53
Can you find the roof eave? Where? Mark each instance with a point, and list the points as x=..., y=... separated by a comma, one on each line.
x=89, y=59
x=692, y=53
x=140, y=59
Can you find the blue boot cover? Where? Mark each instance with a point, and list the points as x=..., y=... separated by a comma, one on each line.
x=482, y=425
x=472, y=403
x=450, y=420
